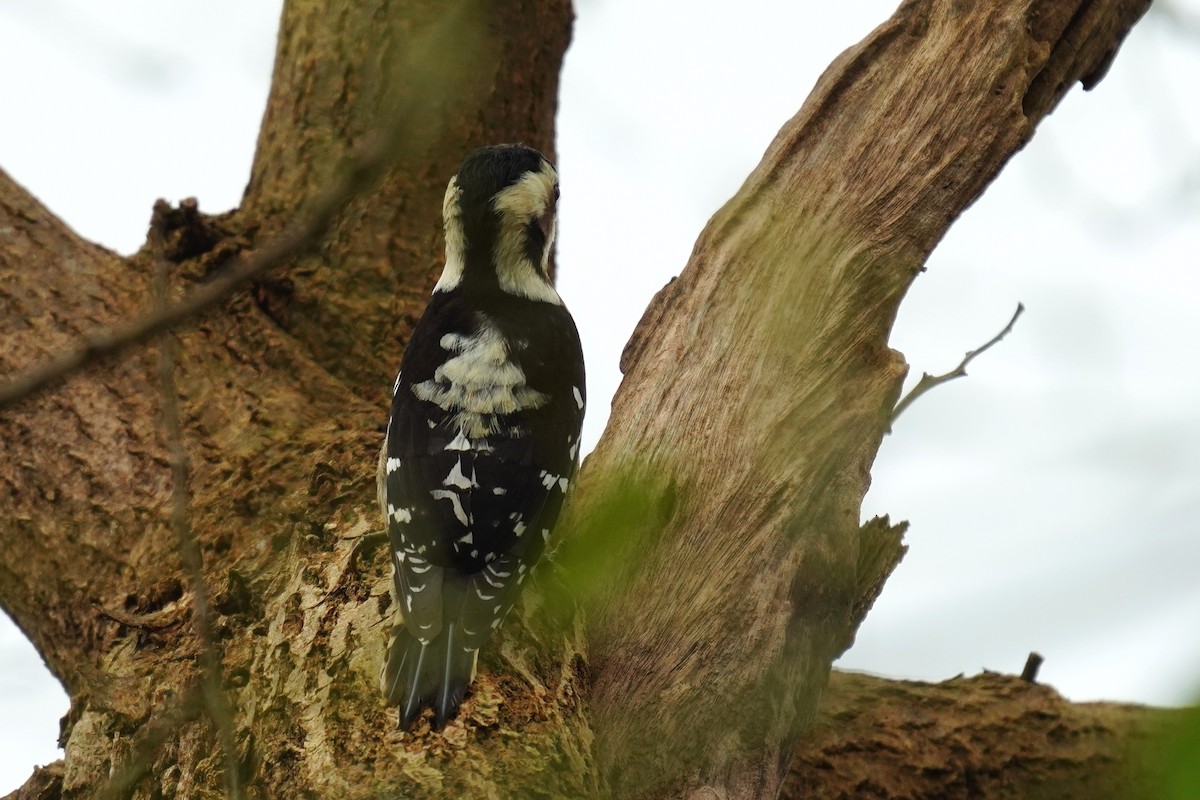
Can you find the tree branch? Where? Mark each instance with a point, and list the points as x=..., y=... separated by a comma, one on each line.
x=757, y=391
x=189, y=550
x=397, y=135
x=990, y=735
x=759, y=385
x=928, y=381
x=300, y=237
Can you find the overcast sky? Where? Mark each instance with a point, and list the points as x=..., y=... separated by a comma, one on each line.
x=1053, y=495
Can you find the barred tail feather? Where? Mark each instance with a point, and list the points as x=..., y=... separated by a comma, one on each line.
x=436, y=675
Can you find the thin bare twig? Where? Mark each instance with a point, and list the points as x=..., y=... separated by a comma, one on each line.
x=398, y=136
x=149, y=741
x=154, y=621
x=297, y=238
x=928, y=381
x=189, y=551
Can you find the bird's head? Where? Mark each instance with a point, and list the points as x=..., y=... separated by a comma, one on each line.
x=499, y=218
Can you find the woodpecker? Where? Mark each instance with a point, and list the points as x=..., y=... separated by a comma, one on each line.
x=483, y=438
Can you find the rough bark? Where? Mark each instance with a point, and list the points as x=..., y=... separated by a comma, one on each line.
x=993, y=736
x=281, y=440
x=759, y=385
x=757, y=389
x=490, y=75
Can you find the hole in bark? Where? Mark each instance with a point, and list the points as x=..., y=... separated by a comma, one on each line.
x=275, y=298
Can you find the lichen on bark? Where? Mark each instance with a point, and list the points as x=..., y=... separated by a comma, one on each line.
x=757, y=389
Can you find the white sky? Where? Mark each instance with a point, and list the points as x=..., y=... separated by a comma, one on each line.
x=1053, y=494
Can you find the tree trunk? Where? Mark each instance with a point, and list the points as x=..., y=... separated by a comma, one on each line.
x=713, y=540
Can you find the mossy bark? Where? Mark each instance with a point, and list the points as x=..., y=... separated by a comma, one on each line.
x=757, y=389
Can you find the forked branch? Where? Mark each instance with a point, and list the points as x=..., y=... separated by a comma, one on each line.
x=928, y=381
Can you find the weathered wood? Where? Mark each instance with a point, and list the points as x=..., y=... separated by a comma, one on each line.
x=759, y=384
x=988, y=736
x=757, y=389
x=993, y=736
x=281, y=423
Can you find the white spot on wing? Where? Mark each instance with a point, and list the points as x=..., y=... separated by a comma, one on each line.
x=393, y=464
x=498, y=490
x=563, y=483
x=578, y=396
x=519, y=528
x=399, y=514
x=548, y=478
x=457, y=479
x=455, y=501
x=468, y=539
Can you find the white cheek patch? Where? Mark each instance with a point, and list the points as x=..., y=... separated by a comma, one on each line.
x=518, y=205
x=529, y=197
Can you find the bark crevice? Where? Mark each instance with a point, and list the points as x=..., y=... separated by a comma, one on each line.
x=757, y=390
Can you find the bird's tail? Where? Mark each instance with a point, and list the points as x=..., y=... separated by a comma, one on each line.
x=418, y=675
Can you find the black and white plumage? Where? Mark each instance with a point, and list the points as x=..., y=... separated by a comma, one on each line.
x=483, y=439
